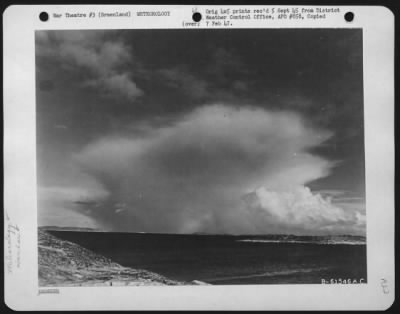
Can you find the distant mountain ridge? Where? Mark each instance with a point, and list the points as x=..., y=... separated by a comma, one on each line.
x=327, y=239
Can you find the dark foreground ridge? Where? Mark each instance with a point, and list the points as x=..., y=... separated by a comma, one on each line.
x=63, y=263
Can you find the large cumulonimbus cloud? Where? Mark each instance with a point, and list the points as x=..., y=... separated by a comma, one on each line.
x=218, y=169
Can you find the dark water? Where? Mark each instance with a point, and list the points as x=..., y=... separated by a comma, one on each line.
x=225, y=259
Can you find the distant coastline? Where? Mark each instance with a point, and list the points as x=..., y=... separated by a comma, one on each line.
x=256, y=238
x=57, y=228
x=81, y=258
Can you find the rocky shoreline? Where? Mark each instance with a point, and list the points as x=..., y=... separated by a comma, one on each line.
x=63, y=263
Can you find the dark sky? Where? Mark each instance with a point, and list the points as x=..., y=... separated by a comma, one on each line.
x=111, y=102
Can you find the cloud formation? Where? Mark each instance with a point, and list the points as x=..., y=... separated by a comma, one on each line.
x=198, y=174
x=302, y=211
x=104, y=58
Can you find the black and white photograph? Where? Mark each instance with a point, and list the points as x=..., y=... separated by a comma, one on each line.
x=211, y=157
x=200, y=157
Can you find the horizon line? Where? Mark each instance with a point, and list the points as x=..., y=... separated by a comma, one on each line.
x=76, y=229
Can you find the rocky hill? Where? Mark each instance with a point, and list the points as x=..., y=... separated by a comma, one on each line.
x=63, y=263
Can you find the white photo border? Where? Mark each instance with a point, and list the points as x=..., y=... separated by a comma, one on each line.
x=20, y=209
